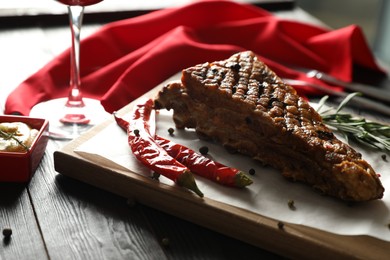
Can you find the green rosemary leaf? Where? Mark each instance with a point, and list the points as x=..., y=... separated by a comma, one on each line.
x=372, y=134
x=321, y=104
x=8, y=136
x=347, y=99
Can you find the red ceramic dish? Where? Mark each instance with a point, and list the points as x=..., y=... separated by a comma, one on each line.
x=21, y=166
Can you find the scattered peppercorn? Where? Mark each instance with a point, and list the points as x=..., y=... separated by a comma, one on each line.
x=136, y=132
x=252, y=171
x=171, y=130
x=165, y=241
x=384, y=158
x=155, y=175
x=204, y=150
x=7, y=232
x=280, y=225
x=291, y=204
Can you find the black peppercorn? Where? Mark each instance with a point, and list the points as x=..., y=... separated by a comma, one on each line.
x=7, y=232
x=280, y=225
x=291, y=204
x=252, y=171
x=204, y=150
x=155, y=176
x=136, y=132
x=171, y=130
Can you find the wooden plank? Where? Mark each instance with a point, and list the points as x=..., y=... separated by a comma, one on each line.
x=82, y=222
x=186, y=239
x=292, y=241
x=17, y=213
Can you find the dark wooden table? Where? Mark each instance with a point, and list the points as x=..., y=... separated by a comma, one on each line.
x=55, y=217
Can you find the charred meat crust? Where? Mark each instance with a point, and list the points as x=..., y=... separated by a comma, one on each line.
x=242, y=104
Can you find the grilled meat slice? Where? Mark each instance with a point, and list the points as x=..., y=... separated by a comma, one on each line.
x=242, y=104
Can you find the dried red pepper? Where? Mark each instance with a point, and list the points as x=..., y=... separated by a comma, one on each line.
x=198, y=163
x=204, y=166
x=148, y=152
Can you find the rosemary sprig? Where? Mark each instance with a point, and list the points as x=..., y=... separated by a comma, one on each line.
x=372, y=134
x=8, y=136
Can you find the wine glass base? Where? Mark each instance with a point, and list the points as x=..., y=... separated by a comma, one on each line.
x=67, y=123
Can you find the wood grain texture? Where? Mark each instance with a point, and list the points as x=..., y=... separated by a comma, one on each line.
x=189, y=241
x=88, y=223
x=17, y=213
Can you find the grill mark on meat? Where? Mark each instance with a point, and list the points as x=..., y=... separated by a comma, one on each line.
x=242, y=104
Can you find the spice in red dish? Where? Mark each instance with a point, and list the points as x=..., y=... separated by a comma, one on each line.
x=148, y=152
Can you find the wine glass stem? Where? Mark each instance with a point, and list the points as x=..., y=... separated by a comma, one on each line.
x=75, y=98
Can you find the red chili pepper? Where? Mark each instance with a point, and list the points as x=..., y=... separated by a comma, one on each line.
x=197, y=163
x=204, y=166
x=148, y=152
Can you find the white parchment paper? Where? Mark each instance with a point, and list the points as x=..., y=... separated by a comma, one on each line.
x=270, y=192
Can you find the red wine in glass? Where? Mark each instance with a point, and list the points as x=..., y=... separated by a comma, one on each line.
x=79, y=2
x=73, y=115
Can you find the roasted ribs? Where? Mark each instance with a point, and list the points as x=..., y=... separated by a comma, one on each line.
x=240, y=103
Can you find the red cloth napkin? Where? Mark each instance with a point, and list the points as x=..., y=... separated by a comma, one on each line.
x=125, y=59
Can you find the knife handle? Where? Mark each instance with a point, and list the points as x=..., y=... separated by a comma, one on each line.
x=371, y=105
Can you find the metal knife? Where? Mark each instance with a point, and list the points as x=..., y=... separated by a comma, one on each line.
x=362, y=102
x=366, y=90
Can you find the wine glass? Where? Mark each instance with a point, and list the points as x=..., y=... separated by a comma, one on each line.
x=73, y=115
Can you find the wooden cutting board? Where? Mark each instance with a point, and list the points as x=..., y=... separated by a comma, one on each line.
x=291, y=240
